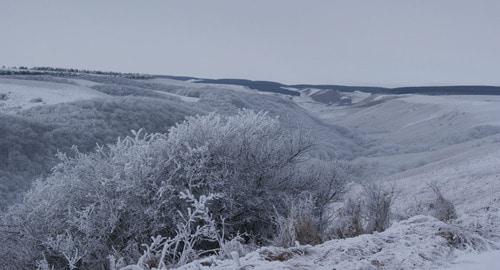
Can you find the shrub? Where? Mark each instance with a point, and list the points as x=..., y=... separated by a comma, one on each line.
x=367, y=213
x=441, y=208
x=462, y=239
x=349, y=220
x=438, y=206
x=251, y=159
x=378, y=205
x=299, y=226
x=112, y=200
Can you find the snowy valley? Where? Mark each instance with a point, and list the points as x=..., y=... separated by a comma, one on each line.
x=415, y=150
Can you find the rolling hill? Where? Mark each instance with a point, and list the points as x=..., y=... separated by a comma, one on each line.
x=401, y=138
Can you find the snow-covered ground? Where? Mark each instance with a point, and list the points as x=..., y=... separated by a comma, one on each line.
x=410, y=244
x=489, y=260
x=16, y=95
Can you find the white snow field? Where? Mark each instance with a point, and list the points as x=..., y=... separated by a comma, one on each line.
x=22, y=94
x=482, y=261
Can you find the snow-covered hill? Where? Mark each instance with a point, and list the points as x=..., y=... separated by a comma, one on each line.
x=411, y=140
x=43, y=114
x=403, y=142
x=17, y=95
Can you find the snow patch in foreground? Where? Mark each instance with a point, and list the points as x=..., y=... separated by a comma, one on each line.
x=489, y=260
x=420, y=242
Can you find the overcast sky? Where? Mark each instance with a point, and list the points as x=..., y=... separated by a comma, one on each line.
x=390, y=43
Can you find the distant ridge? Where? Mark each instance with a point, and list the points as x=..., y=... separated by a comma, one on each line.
x=268, y=86
x=424, y=90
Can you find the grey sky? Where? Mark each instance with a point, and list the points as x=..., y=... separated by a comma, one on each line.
x=400, y=42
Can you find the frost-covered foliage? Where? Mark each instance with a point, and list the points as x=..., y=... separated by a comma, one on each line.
x=437, y=206
x=308, y=217
x=378, y=206
x=111, y=201
x=366, y=212
x=300, y=225
x=348, y=221
x=313, y=219
x=196, y=226
x=441, y=208
x=252, y=160
x=96, y=198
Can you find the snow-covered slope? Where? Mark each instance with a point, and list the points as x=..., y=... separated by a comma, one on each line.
x=402, y=141
x=478, y=261
x=55, y=112
x=413, y=140
x=18, y=95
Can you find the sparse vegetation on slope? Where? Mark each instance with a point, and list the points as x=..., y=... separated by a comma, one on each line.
x=30, y=140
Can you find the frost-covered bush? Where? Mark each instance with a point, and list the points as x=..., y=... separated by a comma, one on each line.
x=300, y=225
x=441, y=208
x=307, y=217
x=348, y=221
x=377, y=206
x=196, y=226
x=251, y=160
x=461, y=238
x=367, y=212
x=437, y=206
x=114, y=199
x=327, y=180
x=102, y=201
